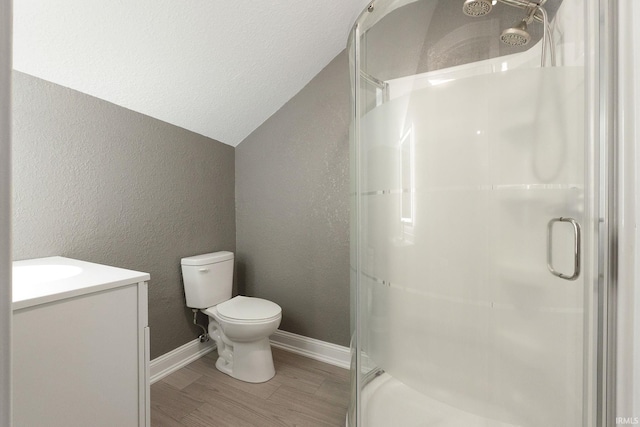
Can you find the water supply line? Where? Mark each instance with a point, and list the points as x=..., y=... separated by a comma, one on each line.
x=546, y=38
x=204, y=337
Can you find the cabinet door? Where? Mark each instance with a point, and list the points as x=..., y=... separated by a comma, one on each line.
x=76, y=361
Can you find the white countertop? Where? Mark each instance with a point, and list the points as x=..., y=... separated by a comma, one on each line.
x=43, y=280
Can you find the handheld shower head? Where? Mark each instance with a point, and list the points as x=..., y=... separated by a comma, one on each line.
x=516, y=35
x=476, y=8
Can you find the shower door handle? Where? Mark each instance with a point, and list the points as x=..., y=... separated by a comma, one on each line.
x=576, y=248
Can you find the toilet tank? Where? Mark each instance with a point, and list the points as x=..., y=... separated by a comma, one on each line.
x=208, y=279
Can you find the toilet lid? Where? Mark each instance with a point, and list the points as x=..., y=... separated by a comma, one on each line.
x=248, y=308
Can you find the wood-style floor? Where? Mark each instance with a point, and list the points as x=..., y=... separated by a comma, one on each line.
x=304, y=392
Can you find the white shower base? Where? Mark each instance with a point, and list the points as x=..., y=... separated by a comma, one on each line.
x=389, y=402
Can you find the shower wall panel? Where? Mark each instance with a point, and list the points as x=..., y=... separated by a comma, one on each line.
x=459, y=181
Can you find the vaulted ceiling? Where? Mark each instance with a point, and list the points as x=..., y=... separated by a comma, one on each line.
x=218, y=68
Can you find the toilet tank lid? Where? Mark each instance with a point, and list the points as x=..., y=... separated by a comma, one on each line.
x=205, y=259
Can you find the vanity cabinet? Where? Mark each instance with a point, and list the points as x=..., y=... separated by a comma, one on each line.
x=80, y=345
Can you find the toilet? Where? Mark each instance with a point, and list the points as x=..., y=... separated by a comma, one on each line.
x=240, y=326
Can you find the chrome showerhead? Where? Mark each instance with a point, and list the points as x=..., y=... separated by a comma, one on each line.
x=516, y=35
x=476, y=7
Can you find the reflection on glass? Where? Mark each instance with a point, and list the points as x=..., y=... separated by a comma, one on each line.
x=463, y=149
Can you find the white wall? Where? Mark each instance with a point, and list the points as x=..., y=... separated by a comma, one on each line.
x=216, y=68
x=5, y=213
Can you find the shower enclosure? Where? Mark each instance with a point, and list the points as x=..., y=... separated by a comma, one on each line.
x=479, y=222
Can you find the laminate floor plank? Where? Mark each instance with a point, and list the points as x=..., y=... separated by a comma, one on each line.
x=206, y=367
x=297, y=378
x=160, y=419
x=211, y=393
x=304, y=393
x=236, y=413
x=324, y=369
x=182, y=378
x=334, y=392
x=171, y=402
x=309, y=404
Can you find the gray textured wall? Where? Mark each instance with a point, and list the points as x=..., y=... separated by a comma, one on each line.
x=292, y=208
x=101, y=183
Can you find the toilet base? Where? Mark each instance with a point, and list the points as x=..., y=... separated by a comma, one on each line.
x=251, y=362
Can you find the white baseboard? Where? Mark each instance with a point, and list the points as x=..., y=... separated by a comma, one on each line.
x=312, y=348
x=332, y=354
x=178, y=358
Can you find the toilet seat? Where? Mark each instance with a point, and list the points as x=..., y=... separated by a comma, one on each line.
x=241, y=309
x=230, y=321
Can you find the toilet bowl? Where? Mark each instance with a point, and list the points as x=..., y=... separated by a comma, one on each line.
x=240, y=326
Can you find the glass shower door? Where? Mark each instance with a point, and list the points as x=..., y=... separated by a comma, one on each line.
x=473, y=216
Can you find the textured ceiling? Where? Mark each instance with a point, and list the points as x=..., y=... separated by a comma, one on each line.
x=218, y=68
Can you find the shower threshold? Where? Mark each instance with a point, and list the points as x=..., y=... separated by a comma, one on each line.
x=387, y=401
